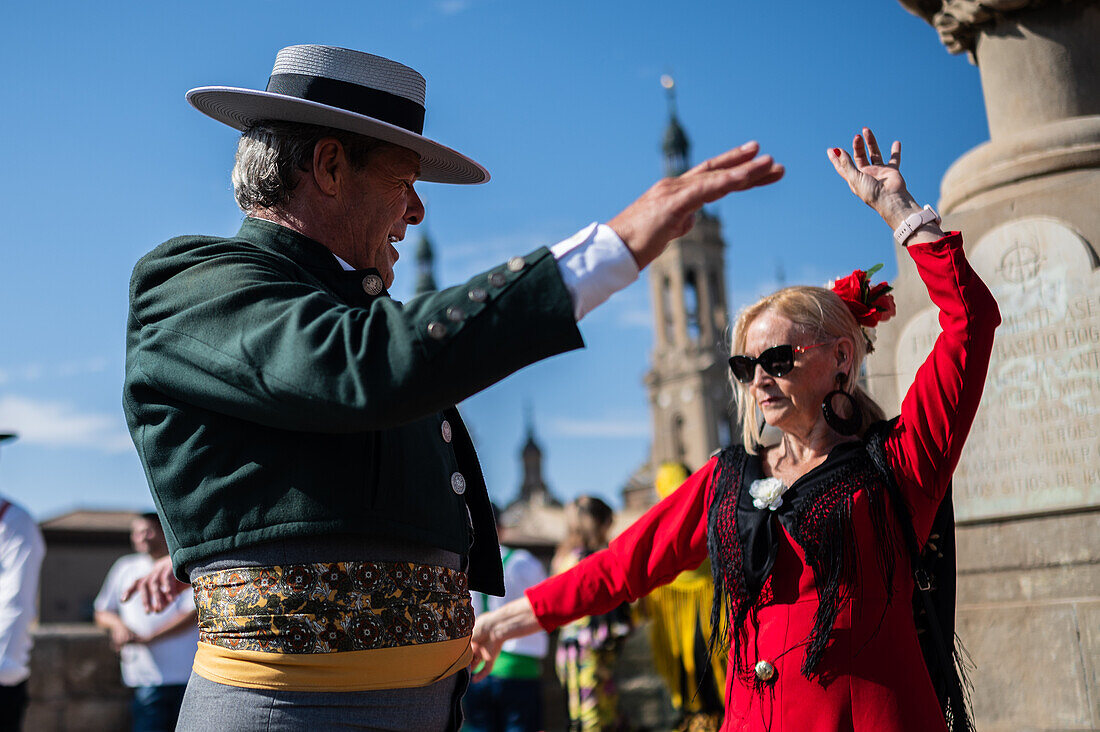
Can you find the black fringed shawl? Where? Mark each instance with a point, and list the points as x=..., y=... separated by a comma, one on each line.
x=742, y=540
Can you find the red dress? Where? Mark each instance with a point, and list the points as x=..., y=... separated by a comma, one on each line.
x=872, y=674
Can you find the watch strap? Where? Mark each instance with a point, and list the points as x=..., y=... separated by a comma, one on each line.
x=913, y=222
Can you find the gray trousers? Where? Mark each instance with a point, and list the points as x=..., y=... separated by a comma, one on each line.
x=212, y=707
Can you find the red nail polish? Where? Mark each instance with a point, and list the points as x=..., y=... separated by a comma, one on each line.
x=836, y=151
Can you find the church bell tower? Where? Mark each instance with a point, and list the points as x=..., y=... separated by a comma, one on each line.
x=689, y=392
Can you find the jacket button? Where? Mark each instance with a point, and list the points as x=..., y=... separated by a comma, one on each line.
x=765, y=671
x=497, y=279
x=372, y=284
x=445, y=428
x=458, y=483
x=436, y=329
x=478, y=295
x=516, y=264
x=455, y=315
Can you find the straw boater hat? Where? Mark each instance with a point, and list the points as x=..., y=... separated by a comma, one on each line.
x=347, y=90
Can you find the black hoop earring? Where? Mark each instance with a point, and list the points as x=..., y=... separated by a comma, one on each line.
x=845, y=426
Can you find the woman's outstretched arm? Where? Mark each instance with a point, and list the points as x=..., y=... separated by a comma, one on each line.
x=669, y=538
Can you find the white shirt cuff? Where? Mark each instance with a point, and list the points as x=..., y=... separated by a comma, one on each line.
x=594, y=264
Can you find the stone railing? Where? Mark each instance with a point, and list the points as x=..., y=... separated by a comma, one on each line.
x=75, y=682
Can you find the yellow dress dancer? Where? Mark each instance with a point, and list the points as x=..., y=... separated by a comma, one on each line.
x=679, y=633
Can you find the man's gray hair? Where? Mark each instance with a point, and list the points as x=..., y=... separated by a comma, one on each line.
x=271, y=155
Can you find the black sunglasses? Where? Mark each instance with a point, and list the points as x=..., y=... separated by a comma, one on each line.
x=776, y=361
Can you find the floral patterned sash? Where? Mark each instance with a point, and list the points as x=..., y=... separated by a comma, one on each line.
x=332, y=607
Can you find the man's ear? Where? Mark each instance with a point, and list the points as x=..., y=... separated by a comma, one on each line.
x=329, y=162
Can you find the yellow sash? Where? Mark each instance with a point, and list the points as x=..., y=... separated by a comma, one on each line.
x=380, y=668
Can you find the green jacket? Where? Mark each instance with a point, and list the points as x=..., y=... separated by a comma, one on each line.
x=269, y=396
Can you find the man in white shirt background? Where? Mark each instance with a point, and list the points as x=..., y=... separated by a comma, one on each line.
x=510, y=698
x=21, y=553
x=157, y=649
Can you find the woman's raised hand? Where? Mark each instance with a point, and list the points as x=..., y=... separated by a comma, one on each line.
x=878, y=183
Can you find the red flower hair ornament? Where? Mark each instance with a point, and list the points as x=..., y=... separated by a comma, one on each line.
x=870, y=304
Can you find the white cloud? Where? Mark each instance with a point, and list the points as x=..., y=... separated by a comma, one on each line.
x=29, y=372
x=22, y=372
x=452, y=7
x=614, y=428
x=58, y=424
x=87, y=366
x=636, y=318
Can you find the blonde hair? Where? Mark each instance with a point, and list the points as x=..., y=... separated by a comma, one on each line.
x=587, y=522
x=820, y=314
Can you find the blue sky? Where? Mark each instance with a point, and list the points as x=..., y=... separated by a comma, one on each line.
x=561, y=101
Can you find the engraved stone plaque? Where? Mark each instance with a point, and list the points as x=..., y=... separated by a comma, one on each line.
x=1035, y=444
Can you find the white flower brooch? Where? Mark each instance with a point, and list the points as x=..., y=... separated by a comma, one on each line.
x=767, y=493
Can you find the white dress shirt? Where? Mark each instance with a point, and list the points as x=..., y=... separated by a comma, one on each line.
x=521, y=570
x=167, y=660
x=594, y=264
x=21, y=553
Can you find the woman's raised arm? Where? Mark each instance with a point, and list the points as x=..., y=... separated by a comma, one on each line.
x=940, y=405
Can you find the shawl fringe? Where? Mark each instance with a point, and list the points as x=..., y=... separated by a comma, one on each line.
x=822, y=527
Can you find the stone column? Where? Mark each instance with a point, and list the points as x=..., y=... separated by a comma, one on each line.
x=1027, y=491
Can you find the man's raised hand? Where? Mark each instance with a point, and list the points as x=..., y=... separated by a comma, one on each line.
x=667, y=210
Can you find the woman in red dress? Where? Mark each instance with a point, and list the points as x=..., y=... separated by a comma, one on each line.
x=809, y=562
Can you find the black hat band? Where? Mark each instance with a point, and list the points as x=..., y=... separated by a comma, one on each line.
x=381, y=105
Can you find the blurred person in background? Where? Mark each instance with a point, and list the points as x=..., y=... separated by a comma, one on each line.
x=156, y=648
x=510, y=698
x=21, y=552
x=679, y=634
x=588, y=647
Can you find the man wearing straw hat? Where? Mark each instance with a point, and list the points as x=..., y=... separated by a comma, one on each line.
x=296, y=424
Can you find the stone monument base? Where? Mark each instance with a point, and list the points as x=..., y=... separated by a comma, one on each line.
x=1029, y=614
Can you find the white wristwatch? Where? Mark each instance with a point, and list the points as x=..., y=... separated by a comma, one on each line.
x=913, y=222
